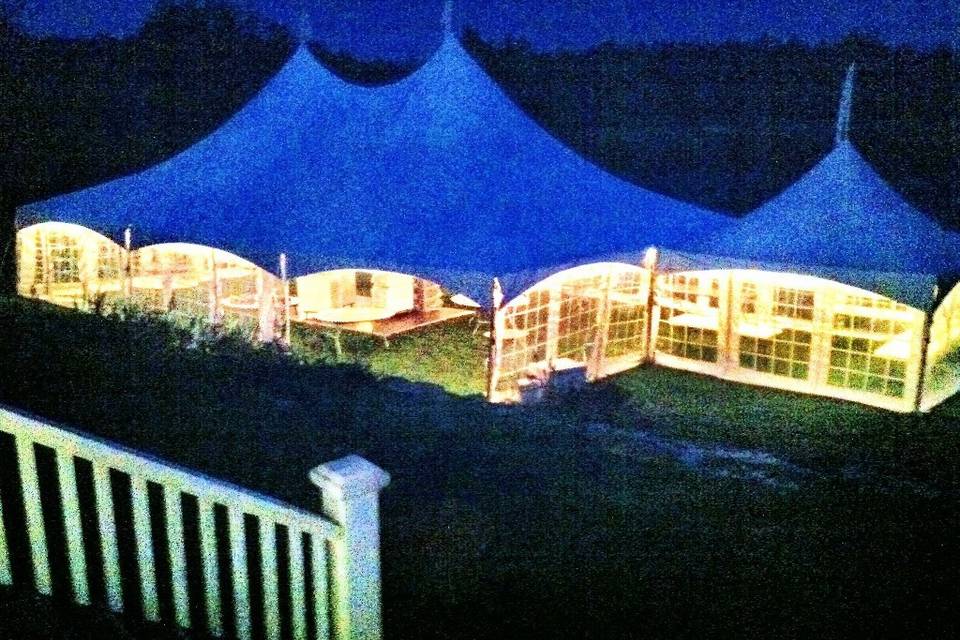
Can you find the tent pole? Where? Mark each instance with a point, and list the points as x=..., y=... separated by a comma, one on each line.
x=603, y=327
x=650, y=260
x=264, y=317
x=924, y=347
x=212, y=290
x=493, y=357
x=47, y=262
x=128, y=263
x=286, y=298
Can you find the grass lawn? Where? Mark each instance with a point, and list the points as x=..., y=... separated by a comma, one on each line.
x=451, y=355
x=517, y=522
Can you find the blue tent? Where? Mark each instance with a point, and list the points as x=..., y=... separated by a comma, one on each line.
x=439, y=175
x=842, y=221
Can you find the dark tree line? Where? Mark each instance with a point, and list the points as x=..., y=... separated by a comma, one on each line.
x=730, y=125
x=723, y=125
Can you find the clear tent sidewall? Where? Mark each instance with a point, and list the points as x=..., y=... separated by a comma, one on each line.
x=589, y=321
x=788, y=331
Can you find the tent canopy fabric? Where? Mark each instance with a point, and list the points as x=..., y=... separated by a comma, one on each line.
x=841, y=215
x=439, y=175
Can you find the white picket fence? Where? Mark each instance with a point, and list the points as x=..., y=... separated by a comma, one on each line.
x=343, y=547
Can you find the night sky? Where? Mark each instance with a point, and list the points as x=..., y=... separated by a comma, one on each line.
x=409, y=28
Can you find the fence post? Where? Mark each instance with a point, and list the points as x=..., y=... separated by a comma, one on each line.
x=350, y=489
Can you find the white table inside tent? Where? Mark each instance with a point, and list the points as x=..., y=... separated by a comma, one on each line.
x=360, y=318
x=352, y=315
x=695, y=321
x=896, y=348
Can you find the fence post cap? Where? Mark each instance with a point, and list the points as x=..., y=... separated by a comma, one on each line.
x=351, y=476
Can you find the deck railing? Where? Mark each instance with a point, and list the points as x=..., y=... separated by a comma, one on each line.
x=340, y=586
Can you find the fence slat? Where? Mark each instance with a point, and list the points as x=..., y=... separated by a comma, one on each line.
x=211, y=566
x=298, y=598
x=6, y=574
x=144, y=542
x=241, y=587
x=71, y=524
x=178, y=555
x=34, y=512
x=108, y=536
x=320, y=594
x=271, y=592
x=175, y=482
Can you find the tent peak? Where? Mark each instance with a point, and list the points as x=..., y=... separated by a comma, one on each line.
x=447, y=19
x=846, y=105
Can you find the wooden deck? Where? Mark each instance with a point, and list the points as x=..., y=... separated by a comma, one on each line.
x=399, y=324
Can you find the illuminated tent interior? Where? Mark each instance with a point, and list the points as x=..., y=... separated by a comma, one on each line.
x=67, y=263
x=832, y=287
x=438, y=176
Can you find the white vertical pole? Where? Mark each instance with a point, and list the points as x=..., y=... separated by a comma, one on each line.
x=496, y=343
x=178, y=557
x=46, y=262
x=128, y=264
x=6, y=574
x=144, y=540
x=351, y=488
x=34, y=513
x=212, y=298
x=108, y=536
x=238, y=559
x=211, y=574
x=321, y=596
x=286, y=298
x=298, y=600
x=72, y=527
x=271, y=592
x=266, y=314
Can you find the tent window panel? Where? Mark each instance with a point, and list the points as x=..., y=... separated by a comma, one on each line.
x=108, y=262
x=148, y=299
x=64, y=258
x=689, y=292
x=238, y=290
x=748, y=298
x=685, y=342
x=786, y=354
x=794, y=303
x=578, y=325
x=854, y=364
x=191, y=301
x=527, y=327
x=697, y=298
x=180, y=263
x=39, y=264
x=627, y=329
x=627, y=332
x=363, y=281
x=943, y=360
